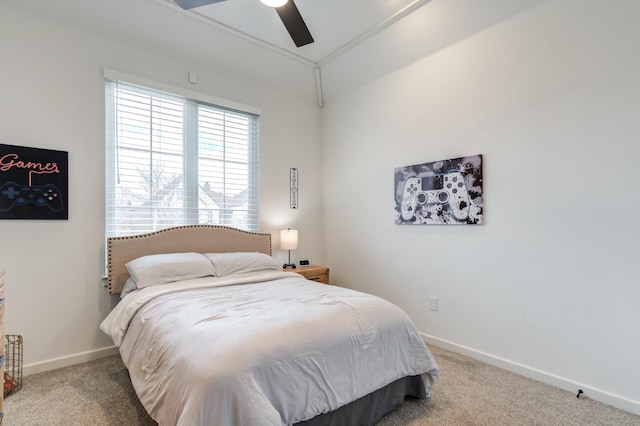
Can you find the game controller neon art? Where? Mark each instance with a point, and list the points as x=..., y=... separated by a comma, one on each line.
x=445, y=189
x=12, y=194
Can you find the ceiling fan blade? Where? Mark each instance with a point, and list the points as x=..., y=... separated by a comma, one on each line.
x=293, y=22
x=190, y=4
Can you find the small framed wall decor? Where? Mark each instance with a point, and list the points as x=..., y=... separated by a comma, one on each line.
x=441, y=192
x=293, y=188
x=33, y=183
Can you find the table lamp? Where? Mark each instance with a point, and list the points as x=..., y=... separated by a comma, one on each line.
x=289, y=241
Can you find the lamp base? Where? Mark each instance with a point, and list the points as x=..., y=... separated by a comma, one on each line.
x=288, y=265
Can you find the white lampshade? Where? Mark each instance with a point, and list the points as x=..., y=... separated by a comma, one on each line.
x=289, y=239
x=274, y=3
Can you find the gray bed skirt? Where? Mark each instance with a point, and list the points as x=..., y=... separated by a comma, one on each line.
x=367, y=410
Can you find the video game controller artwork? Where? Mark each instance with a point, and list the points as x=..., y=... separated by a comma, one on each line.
x=33, y=183
x=441, y=192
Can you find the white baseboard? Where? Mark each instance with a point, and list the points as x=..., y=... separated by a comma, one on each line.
x=66, y=361
x=609, y=398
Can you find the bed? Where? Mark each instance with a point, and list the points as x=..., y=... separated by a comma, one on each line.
x=214, y=332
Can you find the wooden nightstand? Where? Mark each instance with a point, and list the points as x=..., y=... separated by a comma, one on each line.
x=312, y=272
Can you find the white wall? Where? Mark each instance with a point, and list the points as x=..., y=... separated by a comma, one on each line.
x=549, y=285
x=52, y=96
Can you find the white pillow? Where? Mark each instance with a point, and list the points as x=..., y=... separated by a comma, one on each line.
x=165, y=268
x=232, y=263
x=129, y=286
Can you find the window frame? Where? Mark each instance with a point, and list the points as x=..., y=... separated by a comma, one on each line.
x=193, y=102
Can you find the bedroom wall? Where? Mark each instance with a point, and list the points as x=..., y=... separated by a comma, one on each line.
x=548, y=286
x=52, y=96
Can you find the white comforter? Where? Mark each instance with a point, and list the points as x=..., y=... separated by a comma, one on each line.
x=267, y=348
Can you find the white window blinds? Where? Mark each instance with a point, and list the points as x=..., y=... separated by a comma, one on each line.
x=173, y=161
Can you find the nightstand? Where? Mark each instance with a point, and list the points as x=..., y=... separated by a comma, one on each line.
x=313, y=273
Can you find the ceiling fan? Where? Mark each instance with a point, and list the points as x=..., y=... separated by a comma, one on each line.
x=287, y=10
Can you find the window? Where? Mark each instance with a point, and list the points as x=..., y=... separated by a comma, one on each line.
x=172, y=160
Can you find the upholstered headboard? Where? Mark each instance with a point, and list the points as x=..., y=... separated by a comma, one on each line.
x=193, y=238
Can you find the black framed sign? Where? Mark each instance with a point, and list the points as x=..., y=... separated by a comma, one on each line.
x=33, y=183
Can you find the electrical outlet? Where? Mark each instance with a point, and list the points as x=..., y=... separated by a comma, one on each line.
x=433, y=303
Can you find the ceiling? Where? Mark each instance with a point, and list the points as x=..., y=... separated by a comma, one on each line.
x=336, y=25
x=356, y=41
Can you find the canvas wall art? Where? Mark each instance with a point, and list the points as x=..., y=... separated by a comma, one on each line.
x=33, y=183
x=440, y=192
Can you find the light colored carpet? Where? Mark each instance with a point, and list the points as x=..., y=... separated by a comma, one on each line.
x=469, y=392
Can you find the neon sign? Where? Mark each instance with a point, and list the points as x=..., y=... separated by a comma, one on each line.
x=33, y=183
